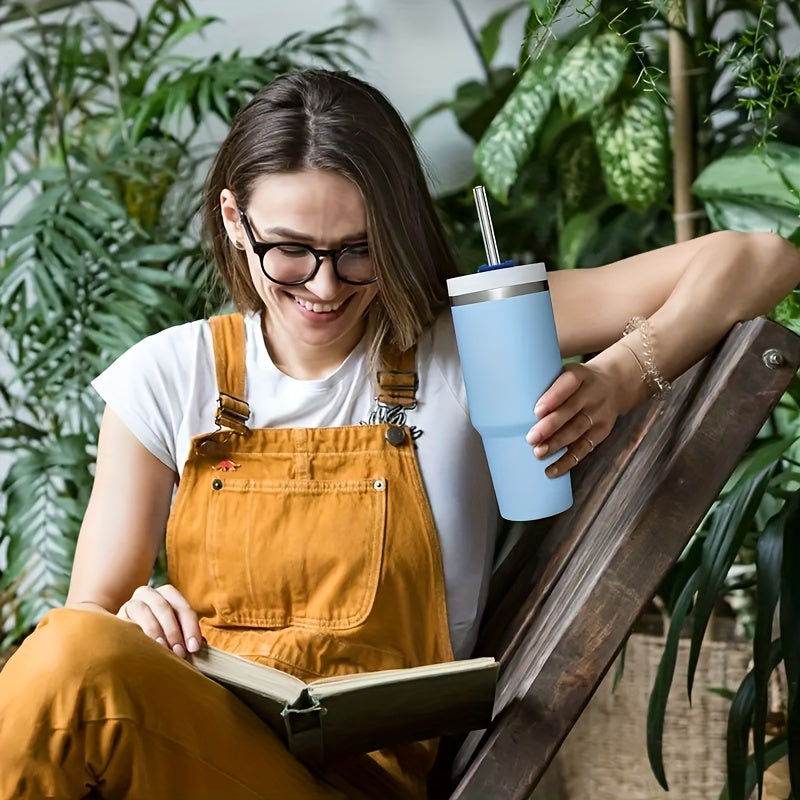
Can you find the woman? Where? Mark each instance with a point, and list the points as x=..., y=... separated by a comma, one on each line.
x=333, y=511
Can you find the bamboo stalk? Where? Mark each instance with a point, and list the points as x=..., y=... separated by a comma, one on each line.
x=682, y=130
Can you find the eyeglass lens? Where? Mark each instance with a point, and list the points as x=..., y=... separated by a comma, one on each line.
x=294, y=262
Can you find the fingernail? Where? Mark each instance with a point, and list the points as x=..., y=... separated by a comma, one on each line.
x=533, y=437
x=540, y=450
x=193, y=644
x=161, y=641
x=551, y=472
x=538, y=409
x=178, y=650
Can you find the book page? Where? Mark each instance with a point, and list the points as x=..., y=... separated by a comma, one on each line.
x=236, y=671
x=339, y=684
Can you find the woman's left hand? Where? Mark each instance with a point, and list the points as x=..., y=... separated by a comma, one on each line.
x=578, y=412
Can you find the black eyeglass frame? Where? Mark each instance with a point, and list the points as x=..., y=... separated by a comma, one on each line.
x=262, y=248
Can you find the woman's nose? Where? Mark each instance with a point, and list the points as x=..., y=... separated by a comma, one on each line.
x=325, y=284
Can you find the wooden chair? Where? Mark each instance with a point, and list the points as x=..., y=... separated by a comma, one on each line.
x=564, y=600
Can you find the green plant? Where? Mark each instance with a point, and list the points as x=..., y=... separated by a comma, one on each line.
x=104, y=131
x=574, y=141
x=746, y=548
x=589, y=146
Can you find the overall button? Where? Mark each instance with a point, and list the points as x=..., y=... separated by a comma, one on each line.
x=395, y=435
x=216, y=483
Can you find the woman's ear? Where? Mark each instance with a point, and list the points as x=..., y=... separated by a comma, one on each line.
x=229, y=209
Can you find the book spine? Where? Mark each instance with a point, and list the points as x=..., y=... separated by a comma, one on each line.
x=303, y=720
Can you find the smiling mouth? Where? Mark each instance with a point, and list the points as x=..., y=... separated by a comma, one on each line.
x=319, y=308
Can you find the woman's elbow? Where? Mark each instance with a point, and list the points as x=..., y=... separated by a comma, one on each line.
x=763, y=266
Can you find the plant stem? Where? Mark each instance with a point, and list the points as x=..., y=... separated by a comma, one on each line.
x=683, y=130
x=464, y=19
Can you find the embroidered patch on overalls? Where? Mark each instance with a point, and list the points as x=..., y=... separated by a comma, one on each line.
x=226, y=465
x=384, y=414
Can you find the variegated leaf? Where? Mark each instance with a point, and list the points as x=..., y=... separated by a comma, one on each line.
x=591, y=72
x=578, y=170
x=511, y=135
x=632, y=143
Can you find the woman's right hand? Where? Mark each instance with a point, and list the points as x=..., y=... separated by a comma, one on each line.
x=164, y=615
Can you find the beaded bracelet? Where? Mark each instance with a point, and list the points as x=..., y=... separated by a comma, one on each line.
x=659, y=386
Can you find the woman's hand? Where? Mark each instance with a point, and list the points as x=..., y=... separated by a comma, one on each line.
x=164, y=615
x=580, y=408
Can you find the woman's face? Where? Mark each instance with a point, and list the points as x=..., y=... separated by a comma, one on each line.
x=311, y=327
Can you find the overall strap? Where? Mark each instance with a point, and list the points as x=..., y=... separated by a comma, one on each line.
x=397, y=382
x=228, y=337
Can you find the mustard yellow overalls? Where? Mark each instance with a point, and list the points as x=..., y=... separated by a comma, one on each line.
x=313, y=550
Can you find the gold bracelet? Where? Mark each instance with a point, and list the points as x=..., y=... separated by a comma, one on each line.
x=658, y=384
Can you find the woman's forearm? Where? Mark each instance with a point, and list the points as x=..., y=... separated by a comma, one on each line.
x=692, y=293
x=732, y=277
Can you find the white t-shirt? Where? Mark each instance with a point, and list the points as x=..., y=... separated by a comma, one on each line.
x=165, y=391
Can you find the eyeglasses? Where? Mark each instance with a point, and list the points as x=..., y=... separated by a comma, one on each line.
x=292, y=263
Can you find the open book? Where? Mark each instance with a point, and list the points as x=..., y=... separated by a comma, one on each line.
x=361, y=712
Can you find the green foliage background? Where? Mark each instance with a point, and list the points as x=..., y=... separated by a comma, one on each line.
x=105, y=132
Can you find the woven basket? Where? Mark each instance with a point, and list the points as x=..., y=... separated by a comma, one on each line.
x=605, y=756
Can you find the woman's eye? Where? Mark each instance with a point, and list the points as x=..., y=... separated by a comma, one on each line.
x=292, y=250
x=358, y=250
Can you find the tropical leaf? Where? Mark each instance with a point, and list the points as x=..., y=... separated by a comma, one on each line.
x=579, y=172
x=729, y=524
x=790, y=637
x=753, y=190
x=545, y=9
x=741, y=768
x=510, y=137
x=474, y=104
x=659, y=695
x=787, y=312
x=762, y=454
x=578, y=231
x=776, y=748
x=490, y=32
x=769, y=556
x=632, y=144
x=591, y=72
x=44, y=505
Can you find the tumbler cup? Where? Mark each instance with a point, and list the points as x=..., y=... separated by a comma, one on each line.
x=507, y=342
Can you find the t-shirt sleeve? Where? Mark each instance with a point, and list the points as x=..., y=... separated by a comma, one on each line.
x=159, y=384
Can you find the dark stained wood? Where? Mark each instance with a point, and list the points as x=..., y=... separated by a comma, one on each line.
x=565, y=599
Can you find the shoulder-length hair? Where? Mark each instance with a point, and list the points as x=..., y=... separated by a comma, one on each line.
x=318, y=119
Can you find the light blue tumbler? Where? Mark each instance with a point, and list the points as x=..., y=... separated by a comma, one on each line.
x=507, y=343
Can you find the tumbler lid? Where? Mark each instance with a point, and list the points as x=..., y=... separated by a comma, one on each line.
x=496, y=279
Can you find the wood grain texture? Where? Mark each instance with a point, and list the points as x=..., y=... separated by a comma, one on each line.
x=565, y=599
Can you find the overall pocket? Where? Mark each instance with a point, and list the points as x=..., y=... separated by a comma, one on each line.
x=296, y=553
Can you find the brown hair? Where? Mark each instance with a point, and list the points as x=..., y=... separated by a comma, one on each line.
x=318, y=119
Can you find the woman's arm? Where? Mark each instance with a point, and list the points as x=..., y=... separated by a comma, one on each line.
x=690, y=293
x=698, y=288
x=120, y=537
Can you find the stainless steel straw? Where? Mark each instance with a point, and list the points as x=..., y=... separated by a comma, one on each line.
x=485, y=221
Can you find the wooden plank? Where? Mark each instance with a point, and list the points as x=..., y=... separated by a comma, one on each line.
x=566, y=636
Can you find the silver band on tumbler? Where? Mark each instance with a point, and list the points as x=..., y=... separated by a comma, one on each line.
x=500, y=293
